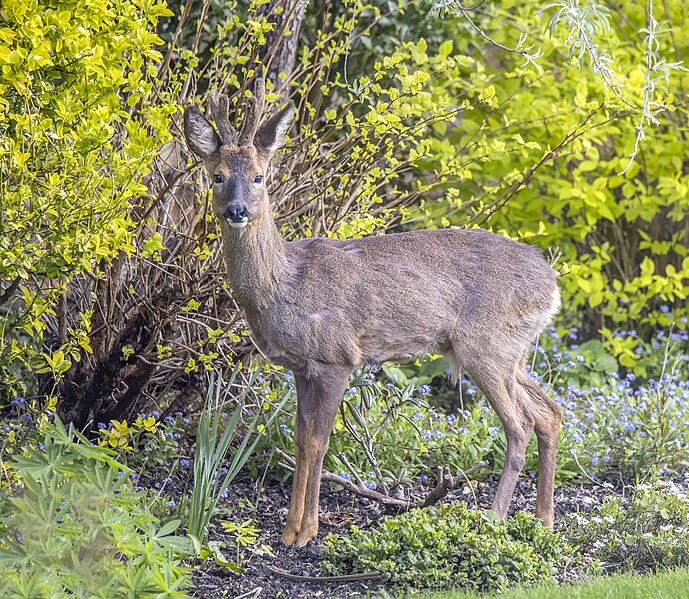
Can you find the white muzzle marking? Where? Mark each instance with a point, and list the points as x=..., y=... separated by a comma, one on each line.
x=239, y=224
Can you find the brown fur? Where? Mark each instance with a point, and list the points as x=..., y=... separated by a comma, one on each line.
x=324, y=307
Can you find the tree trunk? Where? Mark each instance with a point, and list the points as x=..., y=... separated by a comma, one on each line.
x=279, y=53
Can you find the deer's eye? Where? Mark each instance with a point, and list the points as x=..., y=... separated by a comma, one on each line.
x=217, y=178
x=258, y=179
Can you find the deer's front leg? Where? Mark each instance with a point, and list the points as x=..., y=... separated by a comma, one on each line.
x=317, y=401
x=296, y=506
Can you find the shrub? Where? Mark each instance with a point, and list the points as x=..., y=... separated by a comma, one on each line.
x=146, y=440
x=646, y=530
x=77, y=137
x=624, y=428
x=449, y=546
x=74, y=527
x=156, y=309
x=116, y=247
x=626, y=233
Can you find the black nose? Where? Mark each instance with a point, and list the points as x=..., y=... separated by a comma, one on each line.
x=236, y=213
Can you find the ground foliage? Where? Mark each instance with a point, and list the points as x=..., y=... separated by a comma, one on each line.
x=80, y=528
x=663, y=585
x=449, y=546
x=395, y=429
x=643, y=530
x=621, y=430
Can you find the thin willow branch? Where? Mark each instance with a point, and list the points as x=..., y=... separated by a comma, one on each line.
x=529, y=57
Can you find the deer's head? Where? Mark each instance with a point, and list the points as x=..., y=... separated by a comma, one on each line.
x=237, y=163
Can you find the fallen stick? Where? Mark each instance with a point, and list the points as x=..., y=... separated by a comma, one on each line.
x=253, y=592
x=446, y=482
x=343, y=578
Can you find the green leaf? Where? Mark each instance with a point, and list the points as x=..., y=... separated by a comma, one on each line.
x=169, y=528
x=445, y=48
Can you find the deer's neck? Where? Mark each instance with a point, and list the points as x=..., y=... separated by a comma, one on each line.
x=256, y=262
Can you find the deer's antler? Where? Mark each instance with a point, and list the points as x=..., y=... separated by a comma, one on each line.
x=219, y=108
x=254, y=111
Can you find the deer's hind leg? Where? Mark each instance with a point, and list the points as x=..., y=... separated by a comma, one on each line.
x=494, y=371
x=547, y=418
x=318, y=398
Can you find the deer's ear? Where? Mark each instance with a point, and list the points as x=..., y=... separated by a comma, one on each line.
x=271, y=135
x=201, y=137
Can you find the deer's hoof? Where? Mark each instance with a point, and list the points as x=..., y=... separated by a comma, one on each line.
x=289, y=535
x=306, y=535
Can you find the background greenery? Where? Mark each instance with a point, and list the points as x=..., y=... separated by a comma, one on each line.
x=111, y=286
x=520, y=117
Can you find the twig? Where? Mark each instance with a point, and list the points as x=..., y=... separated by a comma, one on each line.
x=252, y=593
x=345, y=461
x=442, y=488
x=343, y=578
x=368, y=450
x=7, y=294
x=518, y=185
x=447, y=482
x=581, y=23
x=518, y=49
x=586, y=474
x=162, y=70
x=350, y=486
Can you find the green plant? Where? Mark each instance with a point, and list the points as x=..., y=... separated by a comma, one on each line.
x=72, y=526
x=244, y=535
x=624, y=427
x=620, y=228
x=449, y=546
x=388, y=435
x=161, y=304
x=77, y=136
x=211, y=478
x=121, y=435
x=648, y=529
x=147, y=442
x=391, y=434
x=416, y=130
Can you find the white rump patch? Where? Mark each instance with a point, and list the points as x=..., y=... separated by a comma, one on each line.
x=554, y=306
x=534, y=322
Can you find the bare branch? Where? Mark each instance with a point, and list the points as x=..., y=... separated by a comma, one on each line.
x=446, y=483
x=9, y=292
x=343, y=578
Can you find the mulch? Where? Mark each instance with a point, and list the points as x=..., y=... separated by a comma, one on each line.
x=338, y=510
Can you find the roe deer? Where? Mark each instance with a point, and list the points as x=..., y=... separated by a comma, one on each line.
x=324, y=307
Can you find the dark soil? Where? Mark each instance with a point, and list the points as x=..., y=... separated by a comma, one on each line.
x=338, y=510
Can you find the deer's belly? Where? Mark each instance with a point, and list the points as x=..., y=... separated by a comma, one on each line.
x=301, y=344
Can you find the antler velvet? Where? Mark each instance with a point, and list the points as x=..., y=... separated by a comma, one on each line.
x=219, y=107
x=254, y=111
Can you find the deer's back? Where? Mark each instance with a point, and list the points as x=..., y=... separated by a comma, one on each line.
x=401, y=295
